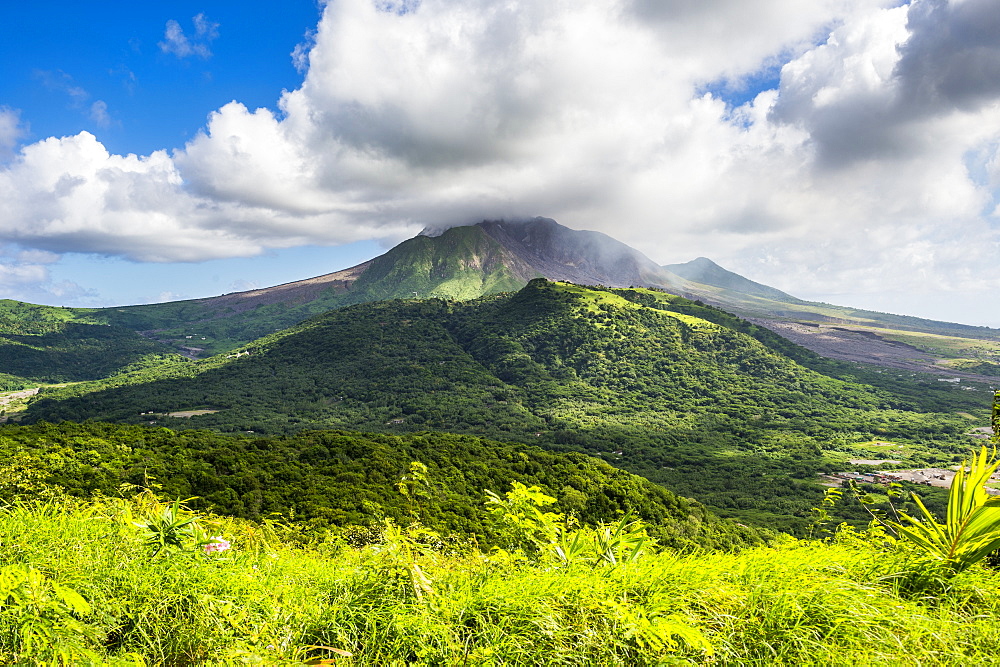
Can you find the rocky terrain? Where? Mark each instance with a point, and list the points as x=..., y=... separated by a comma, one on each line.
x=856, y=344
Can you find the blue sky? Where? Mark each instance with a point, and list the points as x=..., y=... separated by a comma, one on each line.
x=62, y=58
x=841, y=150
x=110, y=52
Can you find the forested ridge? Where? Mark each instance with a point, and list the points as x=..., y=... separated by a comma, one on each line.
x=263, y=528
x=330, y=479
x=684, y=394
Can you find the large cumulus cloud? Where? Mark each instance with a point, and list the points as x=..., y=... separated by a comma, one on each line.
x=900, y=131
x=875, y=156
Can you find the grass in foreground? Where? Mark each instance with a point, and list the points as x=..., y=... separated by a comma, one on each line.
x=79, y=584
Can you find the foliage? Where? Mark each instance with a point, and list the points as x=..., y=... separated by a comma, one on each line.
x=526, y=525
x=336, y=478
x=279, y=601
x=995, y=417
x=550, y=536
x=686, y=395
x=972, y=529
x=169, y=527
x=40, y=618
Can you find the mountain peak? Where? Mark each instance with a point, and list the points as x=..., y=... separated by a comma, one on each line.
x=705, y=271
x=540, y=246
x=433, y=231
x=585, y=257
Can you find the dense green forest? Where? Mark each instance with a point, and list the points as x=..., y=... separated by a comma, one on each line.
x=45, y=345
x=684, y=394
x=321, y=479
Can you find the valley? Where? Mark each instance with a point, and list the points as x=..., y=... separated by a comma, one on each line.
x=495, y=406
x=455, y=331
x=683, y=394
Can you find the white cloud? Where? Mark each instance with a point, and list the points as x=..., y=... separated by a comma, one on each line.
x=874, y=164
x=99, y=113
x=175, y=41
x=25, y=276
x=300, y=54
x=898, y=173
x=71, y=195
x=11, y=131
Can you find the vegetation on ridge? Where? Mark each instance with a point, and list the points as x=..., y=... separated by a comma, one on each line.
x=325, y=479
x=44, y=345
x=684, y=394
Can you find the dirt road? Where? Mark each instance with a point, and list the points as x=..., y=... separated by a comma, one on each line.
x=7, y=399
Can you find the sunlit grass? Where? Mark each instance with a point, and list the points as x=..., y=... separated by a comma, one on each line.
x=272, y=600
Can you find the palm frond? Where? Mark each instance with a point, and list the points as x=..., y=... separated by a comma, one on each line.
x=972, y=527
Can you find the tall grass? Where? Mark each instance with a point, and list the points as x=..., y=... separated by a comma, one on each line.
x=273, y=600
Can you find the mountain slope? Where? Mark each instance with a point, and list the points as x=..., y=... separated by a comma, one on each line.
x=900, y=342
x=486, y=258
x=705, y=272
x=712, y=283
x=457, y=263
x=466, y=263
x=642, y=378
x=583, y=257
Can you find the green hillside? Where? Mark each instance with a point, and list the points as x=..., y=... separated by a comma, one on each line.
x=686, y=395
x=328, y=479
x=45, y=344
x=462, y=263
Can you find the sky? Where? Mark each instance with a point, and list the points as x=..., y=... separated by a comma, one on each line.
x=845, y=151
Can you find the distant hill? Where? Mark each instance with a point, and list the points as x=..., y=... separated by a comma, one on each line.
x=713, y=284
x=46, y=344
x=490, y=257
x=457, y=263
x=706, y=273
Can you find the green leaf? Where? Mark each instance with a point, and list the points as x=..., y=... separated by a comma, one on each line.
x=972, y=529
x=72, y=599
